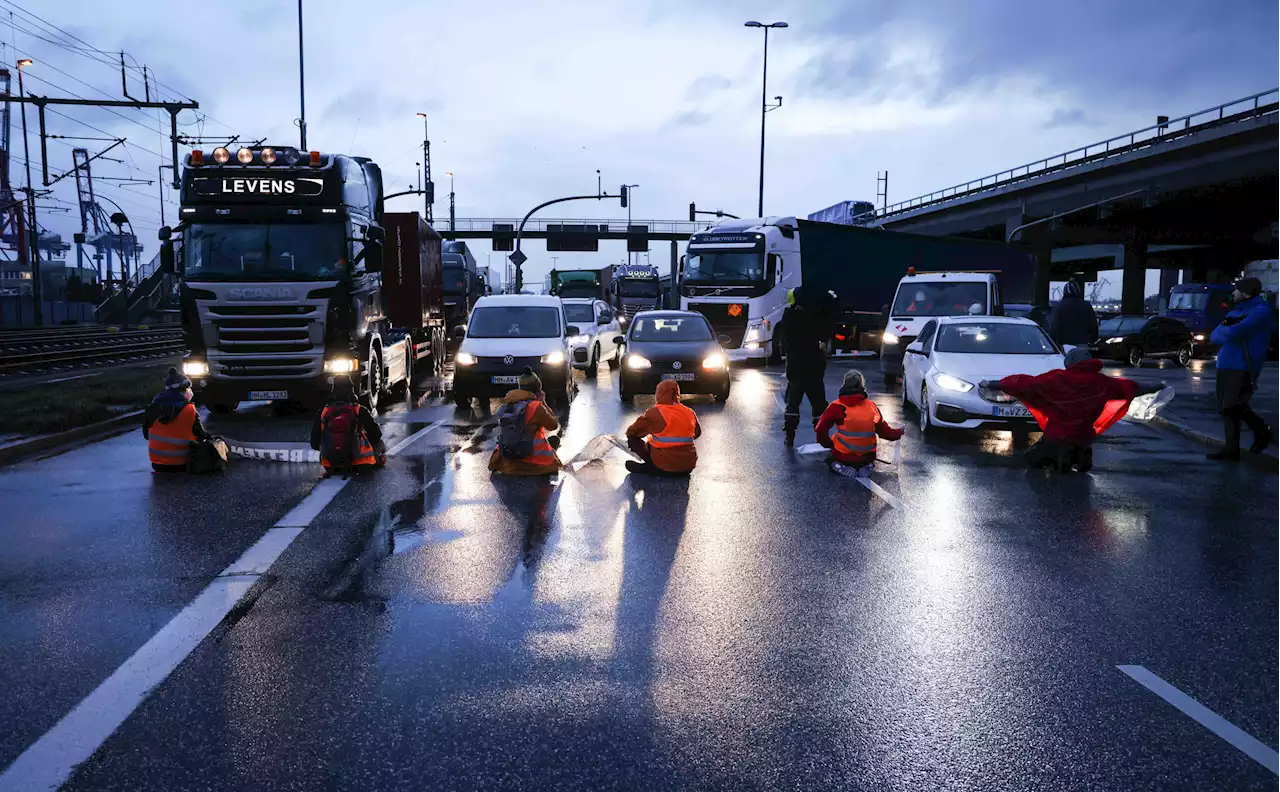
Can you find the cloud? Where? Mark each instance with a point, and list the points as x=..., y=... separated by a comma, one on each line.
x=707, y=84
x=691, y=118
x=1063, y=117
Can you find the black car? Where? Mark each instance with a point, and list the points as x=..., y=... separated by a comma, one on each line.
x=678, y=345
x=1130, y=338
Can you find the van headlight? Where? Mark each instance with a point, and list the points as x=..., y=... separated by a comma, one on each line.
x=553, y=358
x=195, y=368
x=464, y=359
x=342, y=365
x=638, y=362
x=889, y=338
x=714, y=362
x=953, y=383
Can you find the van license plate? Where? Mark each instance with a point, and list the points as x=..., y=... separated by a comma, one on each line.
x=512, y=379
x=1010, y=411
x=268, y=395
x=679, y=377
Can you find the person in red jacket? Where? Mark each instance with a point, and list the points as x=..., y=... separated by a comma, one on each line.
x=1073, y=406
x=857, y=422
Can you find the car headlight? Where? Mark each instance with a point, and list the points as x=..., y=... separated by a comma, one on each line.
x=889, y=338
x=1116, y=340
x=714, y=362
x=622, y=319
x=464, y=359
x=579, y=339
x=953, y=383
x=340, y=366
x=637, y=362
x=1198, y=337
x=195, y=368
x=553, y=357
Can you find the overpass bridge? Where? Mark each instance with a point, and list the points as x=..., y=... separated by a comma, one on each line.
x=1205, y=182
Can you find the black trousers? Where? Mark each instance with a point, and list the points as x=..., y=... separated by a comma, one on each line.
x=1235, y=389
x=643, y=450
x=807, y=386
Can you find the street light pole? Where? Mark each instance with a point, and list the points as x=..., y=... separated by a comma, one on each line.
x=428, y=189
x=302, y=85
x=33, y=245
x=764, y=102
x=450, y=175
x=629, y=187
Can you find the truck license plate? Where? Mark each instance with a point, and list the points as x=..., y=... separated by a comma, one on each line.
x=679, y=377
x=1010, y=411
x=267, y=395
x=512, y=379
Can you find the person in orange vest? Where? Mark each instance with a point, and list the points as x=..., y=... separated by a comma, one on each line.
x=345, y=433
x=171, y=424
x=671, y=428
x=524, y=447
x=857, y=423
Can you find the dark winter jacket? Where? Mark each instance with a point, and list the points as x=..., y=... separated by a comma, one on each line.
x=1073, y=322
x=1244, y=335
x=807, y=329
x=164, y=408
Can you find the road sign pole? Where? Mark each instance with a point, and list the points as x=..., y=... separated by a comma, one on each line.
x=518, y=257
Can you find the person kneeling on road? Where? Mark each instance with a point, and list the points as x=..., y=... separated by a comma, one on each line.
x=171, y=424
x=857, y=422
x=524, y=449
x=671, y=428
x=1073, y=406
x=345, y=433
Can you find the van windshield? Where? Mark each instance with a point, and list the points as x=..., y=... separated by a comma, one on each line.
x=940, y=298
x=514, y=321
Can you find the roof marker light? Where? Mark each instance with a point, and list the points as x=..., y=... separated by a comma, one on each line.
x=221, y=155
x=268, y=156
x=245, y=156
x=197, y=157
x=315, y=159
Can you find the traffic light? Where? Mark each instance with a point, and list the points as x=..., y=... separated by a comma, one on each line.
x=692, y=211
x=623, y=193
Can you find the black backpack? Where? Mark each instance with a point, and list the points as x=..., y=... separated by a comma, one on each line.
x=515, y=441
x=341, y=440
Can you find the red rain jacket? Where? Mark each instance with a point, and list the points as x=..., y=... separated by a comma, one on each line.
x=1074, y=405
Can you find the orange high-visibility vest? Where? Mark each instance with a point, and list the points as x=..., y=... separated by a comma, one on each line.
x=365, y=456
x=543, y=453
x=170, y=443
x=856, y=434
x=681, y=422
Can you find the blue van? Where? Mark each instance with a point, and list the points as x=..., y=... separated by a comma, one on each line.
x=1200, y=306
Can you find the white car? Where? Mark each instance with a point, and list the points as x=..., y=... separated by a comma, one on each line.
x=597, y=327
x=507, y=333
x=943, y=367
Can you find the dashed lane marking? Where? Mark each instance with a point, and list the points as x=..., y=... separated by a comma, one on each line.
x=48, y=762
x=1237, y=737
x=881, y=491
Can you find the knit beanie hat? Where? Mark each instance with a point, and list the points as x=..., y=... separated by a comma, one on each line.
x=529, y=381
x=853, y=380
x=175, y=381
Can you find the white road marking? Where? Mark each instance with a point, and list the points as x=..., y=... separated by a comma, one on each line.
x=51, y=760
x=881, y=491
x=48, y=762
x=1242, y=741
x=411, y=439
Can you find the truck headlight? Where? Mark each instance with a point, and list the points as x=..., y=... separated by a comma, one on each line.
x=953, y=383
x=464, y=359
x=341, y=365
x=553, y=358
x=638, y=362
x=195, y=368
x=754, y=333
x=714, y=362
x=1116, y=340
x=889, y=338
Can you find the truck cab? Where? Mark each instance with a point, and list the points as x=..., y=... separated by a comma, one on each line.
x=924, y=296
x=635, y=289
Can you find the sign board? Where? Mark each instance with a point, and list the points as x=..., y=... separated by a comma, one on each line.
x=518, y=258
x=637, y=238
x=502, y=242
x=574, y=238
x=233, y=187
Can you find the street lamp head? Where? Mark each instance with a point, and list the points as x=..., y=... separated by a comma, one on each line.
x=25, y=62
x=449, y=174
x=422, y=115
x=753, y=23
x=779, y=25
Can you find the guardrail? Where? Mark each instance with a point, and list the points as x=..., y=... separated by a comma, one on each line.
x=1248, y=107
x=474, y=224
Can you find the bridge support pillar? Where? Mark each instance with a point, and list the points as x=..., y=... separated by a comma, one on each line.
x=1134, y=282
x=1044, y=275
x=675, y=284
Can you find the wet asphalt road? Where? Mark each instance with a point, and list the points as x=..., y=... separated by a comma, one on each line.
x=765, y=625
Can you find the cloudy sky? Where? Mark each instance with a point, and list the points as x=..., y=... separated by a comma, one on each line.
x=527, y=100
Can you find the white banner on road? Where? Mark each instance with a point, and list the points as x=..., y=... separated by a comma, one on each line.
x=273, y=452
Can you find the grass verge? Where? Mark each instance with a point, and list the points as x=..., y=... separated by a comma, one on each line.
x=57, y=406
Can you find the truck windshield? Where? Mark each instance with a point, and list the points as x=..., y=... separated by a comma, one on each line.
x=638, y=288
x=994, y=338
x=728, y=268
x=579, y=313
x=940, y=298
x=1188, y=301
x=455, y=280
x=514, y=321
x=265, y=251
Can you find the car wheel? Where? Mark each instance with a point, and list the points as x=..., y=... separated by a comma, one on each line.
x=926, y=420
x=593, y=368
x=624, y=394
x=462, y=402
x=1135, y=356
x=723, y=396
x=1185, y=354
x=223, y=409
x=906, y=398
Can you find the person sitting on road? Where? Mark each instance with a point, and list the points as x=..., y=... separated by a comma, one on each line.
x=1073, y=406
x=524, y=448
x=171, y=424
x=671, y=428
x=857, y=422
x=345, y=433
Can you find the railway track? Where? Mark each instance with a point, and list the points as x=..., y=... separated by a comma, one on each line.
x=40, y=351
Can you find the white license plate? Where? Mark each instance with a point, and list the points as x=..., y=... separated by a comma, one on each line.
x=267, y=395
x=1010, y=411
x=512, y=379
x=679, y=377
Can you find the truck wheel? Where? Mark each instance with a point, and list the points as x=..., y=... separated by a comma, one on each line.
x=462, y=402
x=593, y=368
x=404, y=387
x=223, y=409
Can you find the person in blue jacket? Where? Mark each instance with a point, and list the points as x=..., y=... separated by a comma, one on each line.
x=1243, y=337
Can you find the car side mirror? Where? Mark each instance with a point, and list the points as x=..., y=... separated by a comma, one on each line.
x=572, y=330
x=619, y=340
x=166, y=254
x=604, y=319
x=915, y=348
x=459, y=332
x=375, y=234
x=165, y=233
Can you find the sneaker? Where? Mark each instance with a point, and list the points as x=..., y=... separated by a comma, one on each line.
x=1260, y=442
x=848, y=471
x=635, y=467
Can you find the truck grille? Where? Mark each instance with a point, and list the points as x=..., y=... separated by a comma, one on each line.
x=735, y=327
x=265, y=341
